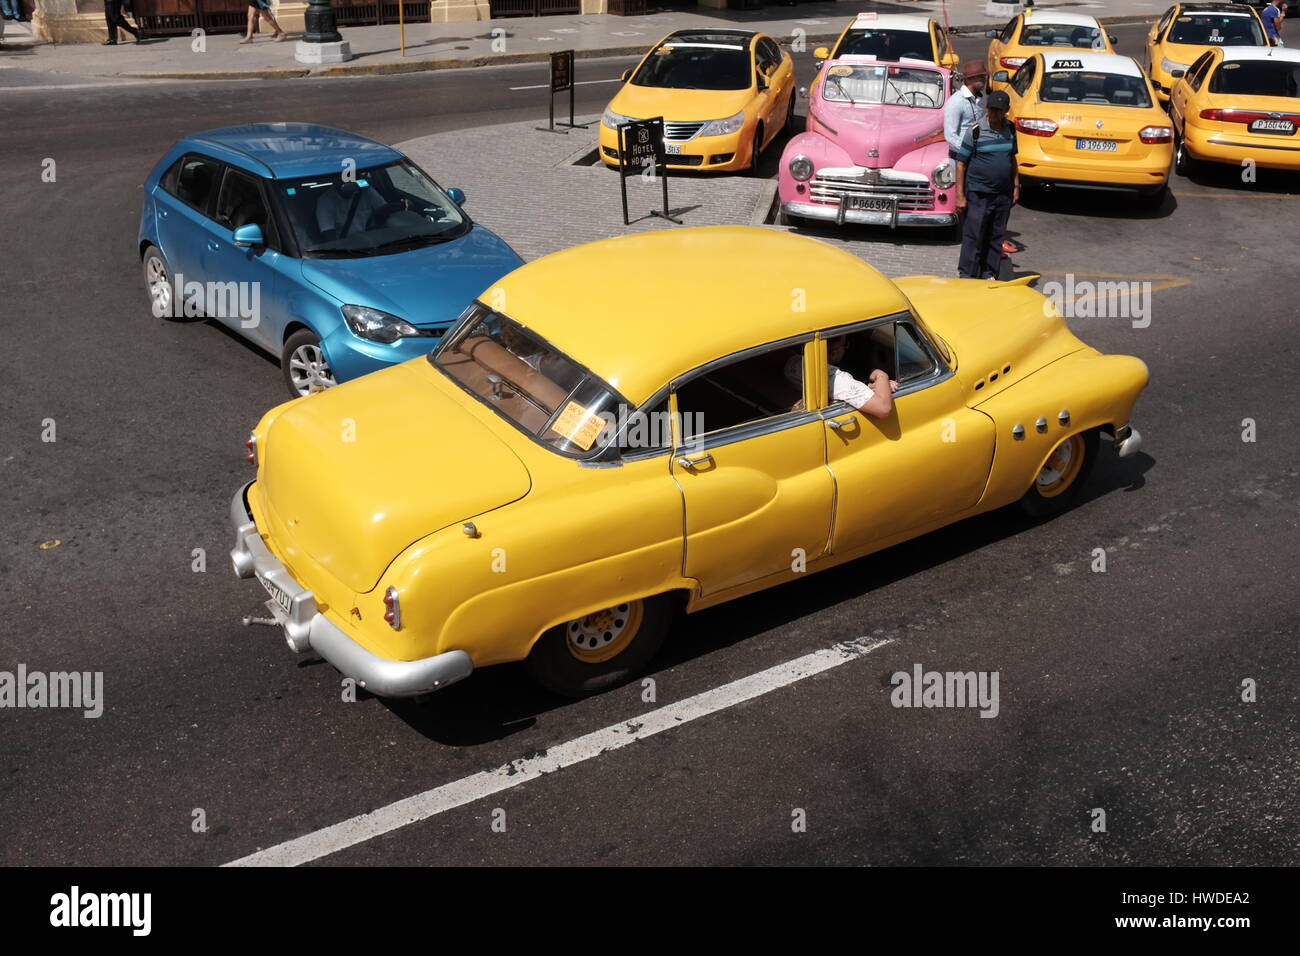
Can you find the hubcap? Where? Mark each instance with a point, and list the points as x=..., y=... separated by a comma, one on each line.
x=160, y=287
x=309, y=370
x=1059, y=472
x=603, y=635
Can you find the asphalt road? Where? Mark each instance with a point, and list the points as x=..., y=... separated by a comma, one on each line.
x=1119, y=690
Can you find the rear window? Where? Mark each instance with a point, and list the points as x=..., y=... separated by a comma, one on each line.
x=1100, y=89
x=887, y=44
x=1210, y=30
x=1257, y=78
x=696, y=66
x=1062, y=34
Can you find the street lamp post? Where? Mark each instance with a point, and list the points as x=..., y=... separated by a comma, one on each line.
x=322, y=42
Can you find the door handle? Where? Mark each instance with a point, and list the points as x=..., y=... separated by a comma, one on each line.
x=683, y=462
x=840, y=423
x=162, y=213
x=214, y=245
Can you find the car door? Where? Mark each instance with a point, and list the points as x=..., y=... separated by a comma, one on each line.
x=1153, y=39
x=750, y=461
x=769, y=90
x=1000, y=43
x=1185, y=88
x=924, y=464
x=184, y=208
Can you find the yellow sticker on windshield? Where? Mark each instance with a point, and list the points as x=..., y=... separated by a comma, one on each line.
x=840, y=71
x=579, y=425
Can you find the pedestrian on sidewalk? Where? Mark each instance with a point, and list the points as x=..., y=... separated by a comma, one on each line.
x=263, y=7
x=988, y=185
x=1272, y=17
x=12, y=10
x=965, y=107
x=114, y=18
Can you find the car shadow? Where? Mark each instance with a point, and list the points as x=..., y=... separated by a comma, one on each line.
x=498, y=702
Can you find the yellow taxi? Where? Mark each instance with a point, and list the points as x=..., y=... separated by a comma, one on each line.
x=1238, y=104
x=1089, y=120
x=564, y=473
x=1186, y=30
x=724, y=95
x=893, y=37
x=1045, y=32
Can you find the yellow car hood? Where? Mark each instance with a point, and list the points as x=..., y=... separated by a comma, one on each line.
x=357, y=473
x=644, y=102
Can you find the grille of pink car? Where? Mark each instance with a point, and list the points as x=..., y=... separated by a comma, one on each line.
x=912, y=197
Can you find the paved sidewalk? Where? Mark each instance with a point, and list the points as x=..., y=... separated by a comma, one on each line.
x=547, y=203
x=431, y=46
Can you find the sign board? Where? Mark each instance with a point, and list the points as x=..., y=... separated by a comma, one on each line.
x=641, y=146
x=561, y=80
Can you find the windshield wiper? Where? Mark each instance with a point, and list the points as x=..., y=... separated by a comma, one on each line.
x=411, y=241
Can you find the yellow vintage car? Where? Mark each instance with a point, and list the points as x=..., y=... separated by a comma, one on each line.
x=564, y=472
x=892, y=36
x=1042, y=31
x=1186, y=30
x=1238, y=104
x=723, y=95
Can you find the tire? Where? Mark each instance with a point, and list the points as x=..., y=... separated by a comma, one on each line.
x=158, y=283
x=756, y=151
x=561, y=664
x=1154, y=199
x=1184, y=163
x=1056, y=486
x=305, y=367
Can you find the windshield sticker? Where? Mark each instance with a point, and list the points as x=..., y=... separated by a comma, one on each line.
x=840, y=71
x=579, y=425
x=1230, y=66
x=1068, y=65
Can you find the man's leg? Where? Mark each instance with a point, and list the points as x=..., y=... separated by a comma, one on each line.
x=972, y=250
x=110, y=20
x=999, y=210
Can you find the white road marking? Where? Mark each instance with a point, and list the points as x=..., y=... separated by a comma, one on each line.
x=467, y=790
x=546, y=86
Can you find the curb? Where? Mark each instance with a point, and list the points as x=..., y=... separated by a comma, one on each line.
x=502, y=59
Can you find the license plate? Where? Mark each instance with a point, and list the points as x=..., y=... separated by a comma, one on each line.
x=1279, y=127
x=673, y=149
x=278, y=595
x=1097, y=145
x=871, y=203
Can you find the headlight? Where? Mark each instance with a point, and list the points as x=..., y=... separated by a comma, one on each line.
x=944, y=175
x=378, y=326
x=612, y=120
x=801, y=168
x=722, y=127
x=1169, y=65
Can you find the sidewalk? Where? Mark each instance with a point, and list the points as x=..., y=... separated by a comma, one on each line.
x=433, y=46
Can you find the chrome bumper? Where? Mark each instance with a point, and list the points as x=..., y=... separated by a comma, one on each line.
x=839, y=215
x=305, y=628
x=1127, y=441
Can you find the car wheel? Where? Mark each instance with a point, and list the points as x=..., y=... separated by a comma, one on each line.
x=601, y=650
x=1184, y=164
x=1058, y=482
x=756, y=151
x=1155, y=198
x=306, y=369
x=158, y=283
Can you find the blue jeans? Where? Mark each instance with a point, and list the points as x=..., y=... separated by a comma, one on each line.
x=12, y=9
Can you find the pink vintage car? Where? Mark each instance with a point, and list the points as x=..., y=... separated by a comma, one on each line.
x=874, y=150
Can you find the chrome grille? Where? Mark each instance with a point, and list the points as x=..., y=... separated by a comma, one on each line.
x=679, y=132
x=911, y=196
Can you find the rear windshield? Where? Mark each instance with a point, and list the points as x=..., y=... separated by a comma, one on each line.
x=530, y=383
x=1212, y=30
x=1100, y=89
x=1062, y=34
x=696, y=66
x=890, y=85
x=1257, y=78
x=887, y=44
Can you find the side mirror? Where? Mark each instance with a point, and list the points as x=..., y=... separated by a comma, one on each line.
x=457, y=195
x=992, y=34
x=1001, y=76
x=627, y=74
x=822, y=53
x=1111, y=37
x=249, y=236
x=950, y=60
x=762, y=81
x=803, y=92
x=1177, y=73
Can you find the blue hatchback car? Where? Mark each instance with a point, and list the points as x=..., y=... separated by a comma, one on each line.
x=335, y=253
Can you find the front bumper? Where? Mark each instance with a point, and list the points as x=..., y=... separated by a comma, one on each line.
x=305, y=628
x=726, y=153
x=839, y=215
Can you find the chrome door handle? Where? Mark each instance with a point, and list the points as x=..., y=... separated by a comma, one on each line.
x=214, y=245
x=839, y=423
x=683, y=462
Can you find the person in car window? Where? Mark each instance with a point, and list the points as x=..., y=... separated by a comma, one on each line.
x=874, y=397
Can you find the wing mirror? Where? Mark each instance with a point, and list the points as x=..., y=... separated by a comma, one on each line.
x=822, y=53
x=1001, y=76
x=626, y=75
x=803, y=92
x=457, y=195
x=992, y=34
x=248, y=236
x=1177, y=73
x=1112, y=38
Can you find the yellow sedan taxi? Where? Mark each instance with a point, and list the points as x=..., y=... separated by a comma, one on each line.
x=1186, y=30
x=724, y=95
x=893, y=37
x=1089, y=120
x=564, y=473
x=1044, y=32
x=1238, y=105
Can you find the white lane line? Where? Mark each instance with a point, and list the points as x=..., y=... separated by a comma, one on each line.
x=543, y=86
x=458, y=793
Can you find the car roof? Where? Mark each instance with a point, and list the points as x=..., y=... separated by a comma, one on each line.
x=890, y=21
x=862, y=58
x=710, y=36
x=1115, y=63
x=1052, y=18
x=1285, y=53
x=296, y=149
x=1224, y=9
x=643, y=309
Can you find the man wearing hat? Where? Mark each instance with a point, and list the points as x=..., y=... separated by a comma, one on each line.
x=965, y=107
x=988, y=184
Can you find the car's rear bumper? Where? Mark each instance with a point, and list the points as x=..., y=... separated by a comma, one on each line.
x=306, y=628
x=839, y=215
x=1227, y=146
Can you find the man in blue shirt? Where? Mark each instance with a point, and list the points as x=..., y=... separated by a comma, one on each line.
x=1272, y=17
x=988, y=184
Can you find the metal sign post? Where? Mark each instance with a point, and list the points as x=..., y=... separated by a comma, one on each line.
x=640, y=143
x=561, y=80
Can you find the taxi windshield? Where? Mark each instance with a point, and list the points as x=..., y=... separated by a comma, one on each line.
x=528, y=382
x=1211, y=30
x=1098, y=89
x=883, y=84
x=681, y=65
x=1257, y=78
x=1062, y=34
x=887, y=44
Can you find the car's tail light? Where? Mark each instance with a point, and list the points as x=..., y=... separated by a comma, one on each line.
x=1036, y=127
x=251, y=444
x=1013, y=62
x=1235, y=116
x=1157, y=134
x=392, y=609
